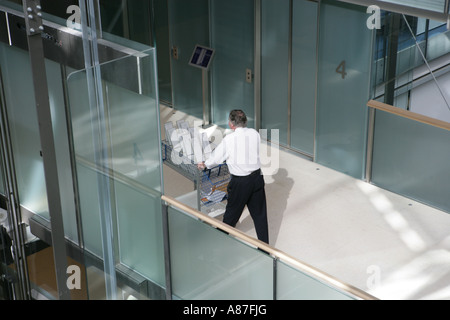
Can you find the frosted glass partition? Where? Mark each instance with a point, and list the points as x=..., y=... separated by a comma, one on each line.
x=412, y=159
x=275, y=66
x=208, y=264
x=140, y=231
x=295, y=285
x=16, y=72
x=345, y=53
x=232, y=34
x=133, y=165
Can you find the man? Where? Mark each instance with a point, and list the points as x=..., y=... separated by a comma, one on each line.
x=240, y=150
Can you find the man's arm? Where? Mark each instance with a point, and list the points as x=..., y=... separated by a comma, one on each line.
x=217, y=157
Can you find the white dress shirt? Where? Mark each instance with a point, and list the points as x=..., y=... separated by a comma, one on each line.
x=240, y=149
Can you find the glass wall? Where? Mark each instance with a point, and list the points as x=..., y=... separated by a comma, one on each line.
x=435, y=5
x=208, y=264
x=16, y=73
x=295, y=285
x=413, y=76
x=411, y=158
x=345, y=53
x=25, y=134
x=132, y=169
x=161, y=34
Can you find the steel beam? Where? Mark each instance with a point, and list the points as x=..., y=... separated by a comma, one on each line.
x=34, y=27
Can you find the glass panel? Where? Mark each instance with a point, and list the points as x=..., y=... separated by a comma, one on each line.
x=304, y=62
x=345, y=54
x=134, y=20
x=16, y=73
x=396, y=56
x=189, y=26
x=133, y=167
x=25, y=134
x=140, y=231
x=208, y=264
x=232, y=33
x=422, y=45
x=16, y=70
x=295, y=285
x=275, y=64
x=161, y=25
x=432, y=5
x=406, y=152
x=122, y=21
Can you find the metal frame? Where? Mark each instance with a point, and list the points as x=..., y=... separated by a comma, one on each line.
x=166, y=242
x=32, y=12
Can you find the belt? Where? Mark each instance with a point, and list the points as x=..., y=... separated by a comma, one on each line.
x=254, y=173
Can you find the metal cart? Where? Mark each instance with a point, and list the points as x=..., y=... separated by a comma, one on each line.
x=210, y=185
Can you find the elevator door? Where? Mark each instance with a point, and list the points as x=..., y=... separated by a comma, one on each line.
x=228, y=28
x=188, y=26
x=232, y=74
x=289, y=37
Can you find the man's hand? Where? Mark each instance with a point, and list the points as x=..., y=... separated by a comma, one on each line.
x=201, y=166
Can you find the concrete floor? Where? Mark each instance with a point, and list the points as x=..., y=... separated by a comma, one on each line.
x=383, y=243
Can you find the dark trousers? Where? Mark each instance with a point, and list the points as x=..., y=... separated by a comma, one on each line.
x=248, y=190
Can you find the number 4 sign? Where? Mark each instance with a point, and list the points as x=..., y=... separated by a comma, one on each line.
x=341, y=69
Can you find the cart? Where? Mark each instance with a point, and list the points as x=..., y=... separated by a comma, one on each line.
x=210, y=195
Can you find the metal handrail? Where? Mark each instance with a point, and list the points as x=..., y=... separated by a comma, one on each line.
x=409, y=114
x=303, y=267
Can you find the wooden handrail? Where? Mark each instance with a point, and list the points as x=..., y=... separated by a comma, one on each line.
x=409, y=114
x=322, y=276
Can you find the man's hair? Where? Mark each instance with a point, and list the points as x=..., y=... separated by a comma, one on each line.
x=238, y=118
